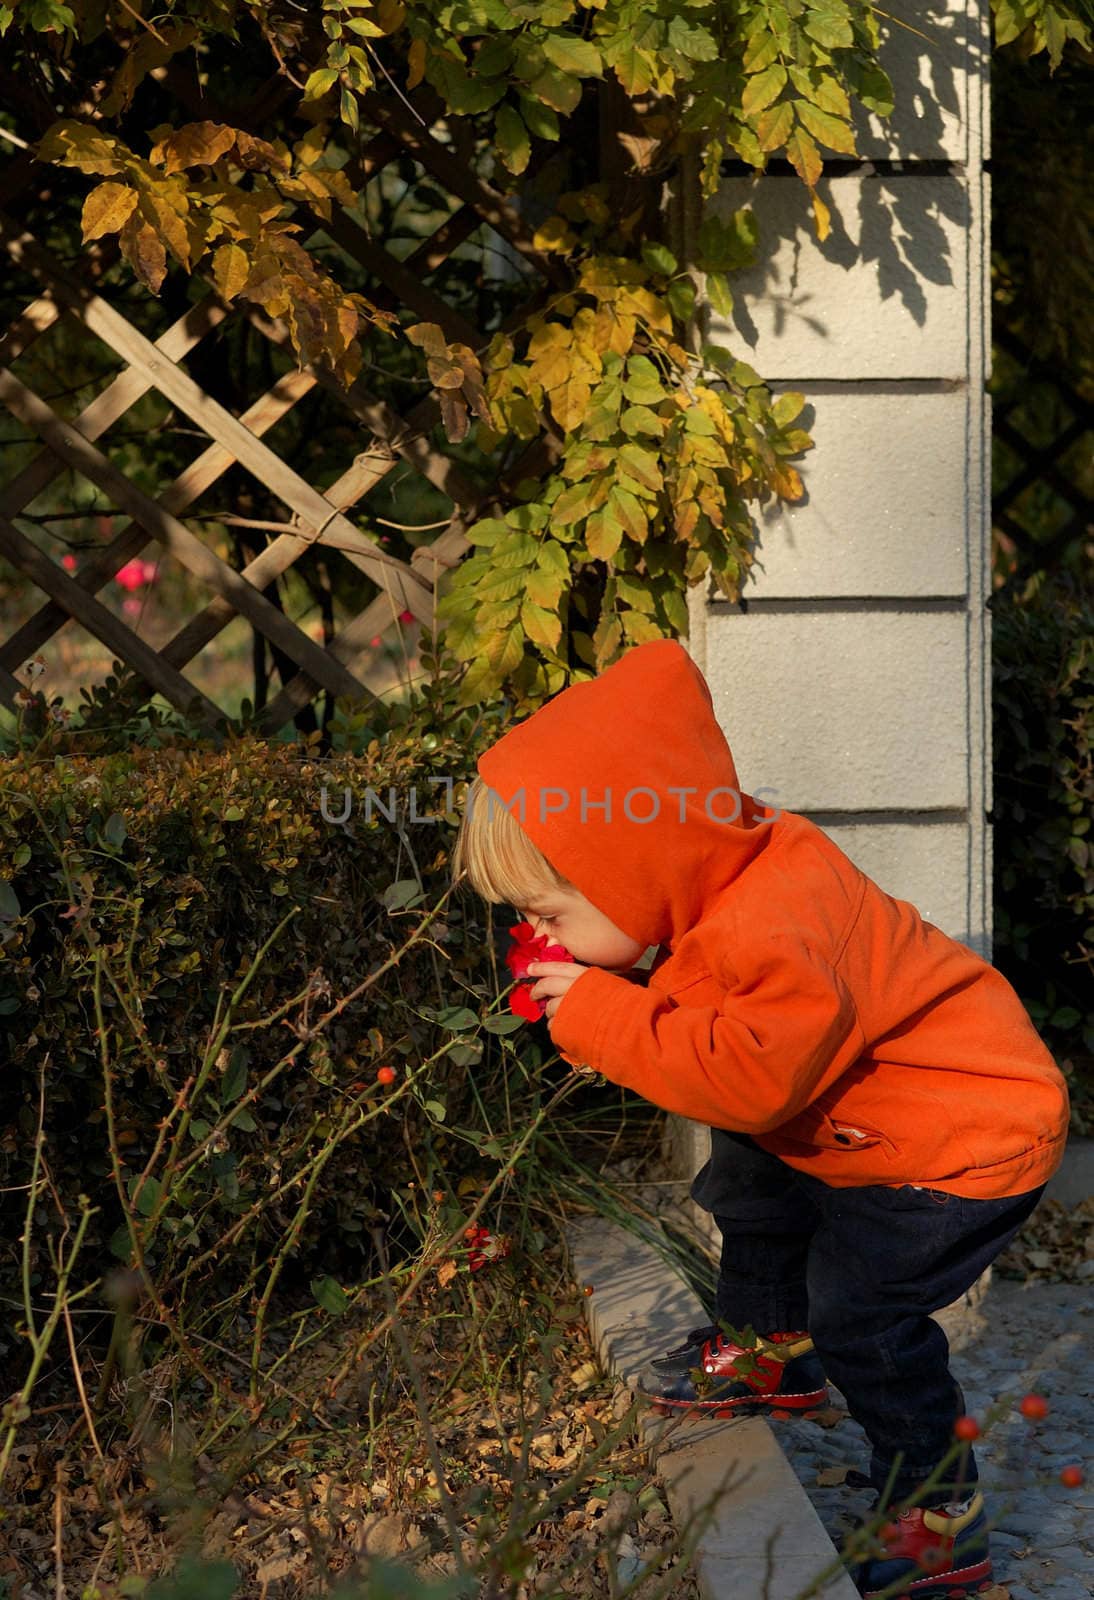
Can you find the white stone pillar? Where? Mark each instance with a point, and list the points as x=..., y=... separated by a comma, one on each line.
x=854, y=679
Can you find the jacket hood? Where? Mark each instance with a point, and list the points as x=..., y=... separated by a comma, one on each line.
x=627, y=785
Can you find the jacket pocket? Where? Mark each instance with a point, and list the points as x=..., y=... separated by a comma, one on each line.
x=820, y=1131
x=836, y=1133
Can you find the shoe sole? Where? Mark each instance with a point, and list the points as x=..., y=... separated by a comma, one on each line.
x=729, y=1408
x=947, y=1586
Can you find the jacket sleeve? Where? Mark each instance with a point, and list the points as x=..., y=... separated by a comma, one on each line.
x=781, y=1034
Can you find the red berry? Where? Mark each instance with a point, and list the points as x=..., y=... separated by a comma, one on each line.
x=1072, y=1477
x=385, y=1075
x=966, y=1428
x=1035, y=1407
x=588, y=1289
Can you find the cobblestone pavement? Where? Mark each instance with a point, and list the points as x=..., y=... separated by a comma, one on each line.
x=1023, y=1337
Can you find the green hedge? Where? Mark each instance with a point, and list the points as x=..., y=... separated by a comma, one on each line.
x=139, y=892
x=1043, y=649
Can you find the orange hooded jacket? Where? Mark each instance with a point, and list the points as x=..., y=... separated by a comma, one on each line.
x=793, y=999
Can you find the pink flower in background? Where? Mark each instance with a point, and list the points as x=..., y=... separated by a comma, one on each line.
x=376, y=642
x=406, y=616
x=131, y=606
x=135, y=574
x=69, y=562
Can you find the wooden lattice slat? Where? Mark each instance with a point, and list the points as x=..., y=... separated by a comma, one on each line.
x=64, y=440
x=314, y=519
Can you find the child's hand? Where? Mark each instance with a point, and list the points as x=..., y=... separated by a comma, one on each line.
x=554, y=980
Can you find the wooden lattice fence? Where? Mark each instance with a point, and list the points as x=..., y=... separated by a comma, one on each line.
x=1044, y=465
x=338, y=667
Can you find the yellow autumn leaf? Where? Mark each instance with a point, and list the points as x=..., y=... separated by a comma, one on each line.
x=163, y=208
x=107, y=209
x=787, y=483
x=143, y=249
x=570, y=402
x=554, y=234
x=415, y=60
x=231, y=269
x=804, y=157
x=613, y=330
x=647, y=308
x=197, y=144
x=822, y=217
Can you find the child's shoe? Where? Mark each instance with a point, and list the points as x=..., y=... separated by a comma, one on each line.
x=929, y=1555
x=712, y=1374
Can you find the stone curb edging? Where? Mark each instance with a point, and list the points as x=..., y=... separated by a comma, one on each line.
x=764, y=1540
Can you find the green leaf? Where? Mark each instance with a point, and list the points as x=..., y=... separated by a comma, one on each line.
x=436, y=1108
x=787, y=407
x=837, y=135
x=235, y=1077
x=348, y=109
x=761, y=90
x=873, y=87
x=642, y=465
x=659, y=258
x=719, y=293
x=699, y=422
x=823, y=90
x=488, y=531
x=114, y=830
x=9, y=902
x=330, y=1295
x=558, y=89
x=577, y=501
x=121, y=1244
x=512, y=139
x=573, y=55
x=503, y=1024
x=681, y=298
x=640, y=419
x=464, y=1055
x=833, y=32
x=456, y=1019
x=401, y=894
x=321, y=80
x=762, y=49
x=643, y=385
x=148, y=1197
x=694, y=42
x=603, y=536
x=543, y=627
x=773, y=126
x=541, y=120
x=630, y=513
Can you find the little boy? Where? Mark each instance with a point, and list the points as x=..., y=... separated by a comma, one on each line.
x=883, y=1114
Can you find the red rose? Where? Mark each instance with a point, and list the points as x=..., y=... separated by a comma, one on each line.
x=528, y=946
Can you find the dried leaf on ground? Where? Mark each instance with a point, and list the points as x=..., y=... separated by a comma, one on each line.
x=1056, y=1245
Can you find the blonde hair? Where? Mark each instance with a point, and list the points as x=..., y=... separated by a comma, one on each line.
x=496, y=856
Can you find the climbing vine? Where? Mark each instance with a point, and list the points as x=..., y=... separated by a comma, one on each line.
x=654, y=443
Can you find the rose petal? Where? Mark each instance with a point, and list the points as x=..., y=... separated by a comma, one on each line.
x=522, y=1005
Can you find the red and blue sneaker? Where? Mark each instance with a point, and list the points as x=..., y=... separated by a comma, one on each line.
x=936, y=1554
x=719, y=1374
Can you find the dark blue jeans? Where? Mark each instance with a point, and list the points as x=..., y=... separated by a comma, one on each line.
x=861, y=1269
